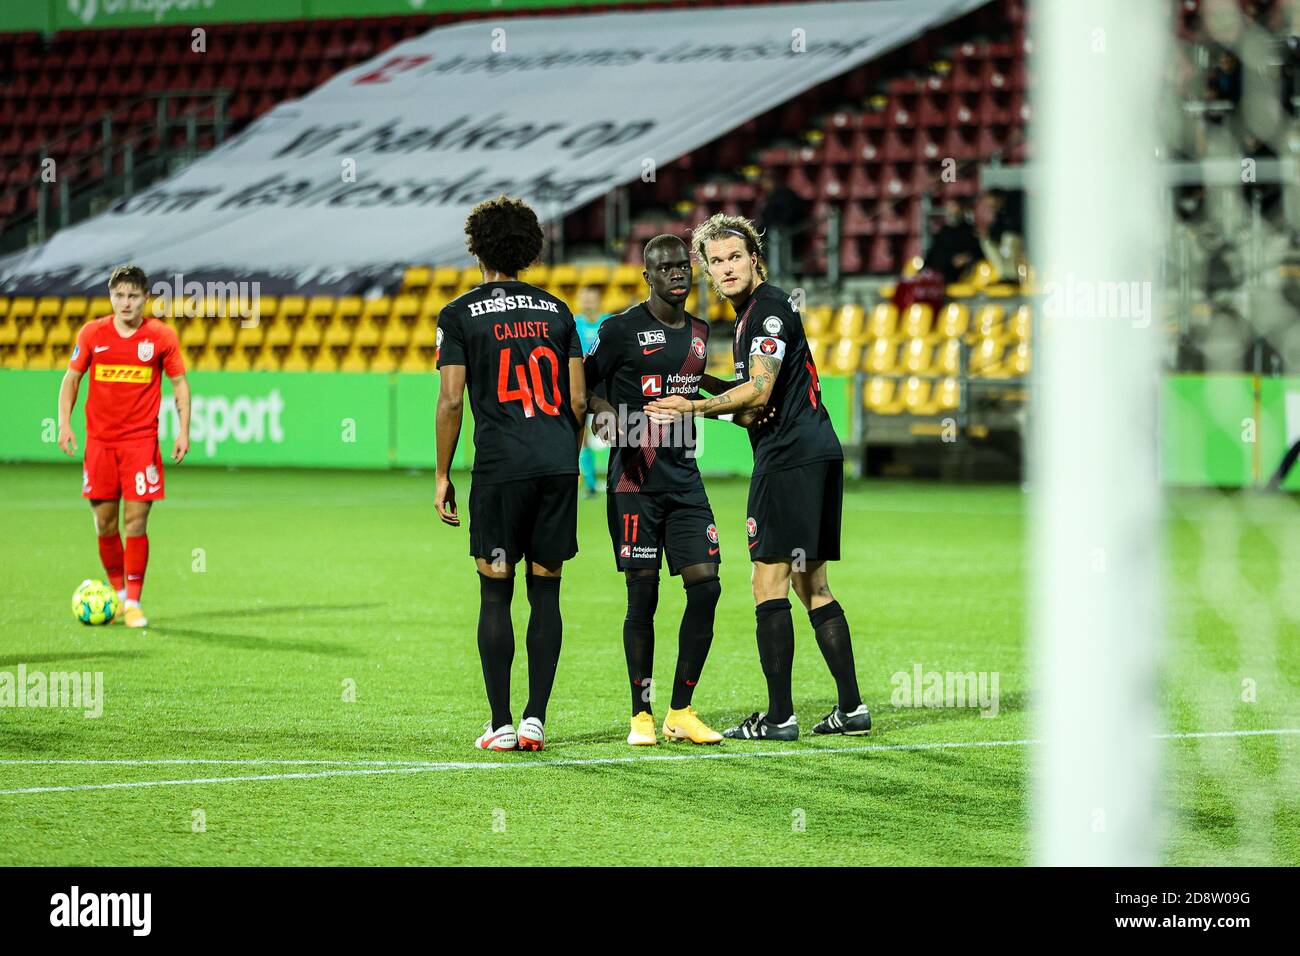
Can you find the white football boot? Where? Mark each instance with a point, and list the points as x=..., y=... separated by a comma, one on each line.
x=503, y=738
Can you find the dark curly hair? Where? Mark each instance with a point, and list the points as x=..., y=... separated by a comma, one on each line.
x=504, y=235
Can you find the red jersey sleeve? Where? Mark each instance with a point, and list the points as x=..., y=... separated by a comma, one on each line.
x=80, y=360
x=173, y=359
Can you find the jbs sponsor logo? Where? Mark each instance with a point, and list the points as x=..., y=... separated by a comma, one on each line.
x=124, y=373
x=652, y=337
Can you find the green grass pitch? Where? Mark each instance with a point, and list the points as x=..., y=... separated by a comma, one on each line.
x=271, y=592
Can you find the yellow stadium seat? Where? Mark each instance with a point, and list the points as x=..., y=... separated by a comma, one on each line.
x=267, y=360
x=348, y=308
x=368, y=335
x=916, y=357
x=1001, y=290
x=844, y=357
x=208, y=361
x=615, y=300
x=251, y=335
x=74, y=309
x=983, y=274
x=538, y=275
x=264, y=308
x=817, y=320
x=947, y=358
x=1015, y=364
x=222, y=333
x=296, y=361
x=988, y=322
x=985, y=357
x=406, y=308
x=916, y=395
x=60, y=333
x=280, y=333
x=320, y=308
x=339, y=333
x=883, y=323
x=564, y=280
x=355, y=360
x=308, y=335
x=848, y=322
x=4, y=307
x=396, y=335
x=376, y=310
x=917, y=319
x=945, y=397
x=878, y=396
x=597, y=275
x=425, y=336
x=48, y=308
x=239, y=360
x=960, y=290
x=193, y=333
x=292, y=308
x=818, y=350
x=1021, y=323
x=322, y=360
x=413, y=362
x=954, y=320
x=417, y=279
x=881, y=357
x=913, y=266
x=446, y=279
x=432, y=307
x=22, y=309
x=469, y=278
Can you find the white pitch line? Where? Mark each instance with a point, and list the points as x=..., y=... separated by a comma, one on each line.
x=433, y=767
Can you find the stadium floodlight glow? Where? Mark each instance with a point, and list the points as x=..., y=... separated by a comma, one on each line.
x=1095, y=498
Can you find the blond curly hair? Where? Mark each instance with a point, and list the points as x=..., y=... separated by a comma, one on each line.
x=721, y=226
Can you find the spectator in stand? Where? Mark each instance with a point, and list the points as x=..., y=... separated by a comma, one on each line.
x=999, y=224
x=954, y=247
x=782, y=217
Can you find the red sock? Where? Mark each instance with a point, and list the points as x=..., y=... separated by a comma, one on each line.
x=110, y=553
x=137, y=559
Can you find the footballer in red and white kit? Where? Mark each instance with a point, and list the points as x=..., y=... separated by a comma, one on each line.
x=126, y=354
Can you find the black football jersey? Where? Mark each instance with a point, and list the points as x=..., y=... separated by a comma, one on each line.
x=802, y=432
x=515, y=341
x=634, y=360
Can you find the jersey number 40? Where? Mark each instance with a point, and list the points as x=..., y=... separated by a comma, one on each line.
x=531, y=388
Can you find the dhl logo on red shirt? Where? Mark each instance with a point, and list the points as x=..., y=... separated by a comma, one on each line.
x=124, y=373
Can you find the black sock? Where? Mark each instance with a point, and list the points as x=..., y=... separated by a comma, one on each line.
x=545, y=633
x=496, y=644
x=694, y=638
x=776, y=654
x=832, y=632
x=639, y=638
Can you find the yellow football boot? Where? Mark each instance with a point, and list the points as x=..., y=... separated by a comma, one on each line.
x=643, y=730
x=134, y=617
x=685, y=724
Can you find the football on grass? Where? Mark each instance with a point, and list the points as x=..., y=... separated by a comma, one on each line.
x=95, y=602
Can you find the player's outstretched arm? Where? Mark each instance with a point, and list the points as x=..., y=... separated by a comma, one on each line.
x=181, y=392
x=752, y=393
x=450, y=413
x=67, y=401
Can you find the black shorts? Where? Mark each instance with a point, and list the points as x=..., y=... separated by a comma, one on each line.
x=536, y=518
x=796, y=513
x=643, y=525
